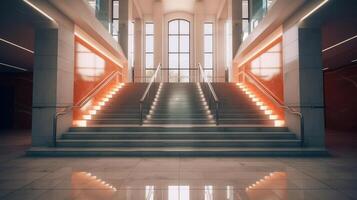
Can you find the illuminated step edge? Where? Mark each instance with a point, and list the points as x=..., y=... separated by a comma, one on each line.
x=262, y=106
x=97, y=107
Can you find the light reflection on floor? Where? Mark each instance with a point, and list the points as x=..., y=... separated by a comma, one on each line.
x=145, y=178
x=89, y=186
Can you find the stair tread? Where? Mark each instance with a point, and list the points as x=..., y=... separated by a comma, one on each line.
x=177, y=140
x=176, y=151
x=188, y=133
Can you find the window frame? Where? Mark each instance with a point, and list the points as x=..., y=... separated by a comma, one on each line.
x=146, y=53
x=179, y=52
x=115, y=34
x=205, y=35
x=246, y=19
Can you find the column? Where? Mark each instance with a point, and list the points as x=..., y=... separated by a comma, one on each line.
x=138, y=66
x=198, y=34
x=236, y=25
x=123, y=25
x=52, y=82
x=303, y=82
x=220, y=66
x=158, y=26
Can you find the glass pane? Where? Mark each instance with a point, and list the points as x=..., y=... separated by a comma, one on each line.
x=184, y=61
x=149, y=46
x=173, y=60
x=115, y=27
x=149, y=74
x=149, y=61
x=245, y=26
x=173, y=27
x=115, y=9
x=184, y=76
x=173, y=75
x=209, y=74
x=208, y=60
x=245, y=9
x=185, y=44
x=208, y=43
x=208, y=28
x=173, y=44
x=149, y=28
x=184, y=27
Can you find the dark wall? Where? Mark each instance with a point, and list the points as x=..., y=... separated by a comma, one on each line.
x=340, y=73
x=341, y=99
x=16, y=100
x=6, y=107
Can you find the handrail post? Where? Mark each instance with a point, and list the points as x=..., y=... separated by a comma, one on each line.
x=141, y=112
x=148, y=94
x=212, y=94
x=302, y=131
x=217, y=115
x=54, y=134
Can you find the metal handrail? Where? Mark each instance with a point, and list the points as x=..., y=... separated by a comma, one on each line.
x=268, y=93
x=212, y=92
x=142, y=100
x=97, y=89
x=81, y=103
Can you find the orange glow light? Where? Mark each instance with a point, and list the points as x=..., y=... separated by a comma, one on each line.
x=262, y=106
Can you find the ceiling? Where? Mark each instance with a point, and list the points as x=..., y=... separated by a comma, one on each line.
x=17, y=26
x=210, y=6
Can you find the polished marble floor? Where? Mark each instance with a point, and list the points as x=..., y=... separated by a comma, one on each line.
x=178, y=178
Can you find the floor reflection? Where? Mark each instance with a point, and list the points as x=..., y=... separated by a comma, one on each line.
x=89, y=186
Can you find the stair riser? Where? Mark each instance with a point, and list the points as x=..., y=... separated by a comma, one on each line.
x=218, y=136
x=178, y=144
x=178, y=129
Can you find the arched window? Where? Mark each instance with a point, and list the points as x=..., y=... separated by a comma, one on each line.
x=179, y=50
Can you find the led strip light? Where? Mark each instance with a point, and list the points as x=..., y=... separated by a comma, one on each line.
x=12, y=66
x=15, y=45
x=39, y=10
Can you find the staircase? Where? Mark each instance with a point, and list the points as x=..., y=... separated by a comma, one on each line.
x=123, y=108
x=178, y=123
x=236, y=108
x=179, y=104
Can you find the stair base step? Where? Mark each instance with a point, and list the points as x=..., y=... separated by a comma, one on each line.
x=189, y=152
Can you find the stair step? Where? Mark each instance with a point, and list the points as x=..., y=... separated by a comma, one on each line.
x=246, y=151
x=137, y=128
x=178, y=143
x=178, y=135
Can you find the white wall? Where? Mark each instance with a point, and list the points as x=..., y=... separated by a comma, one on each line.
x=197, y=20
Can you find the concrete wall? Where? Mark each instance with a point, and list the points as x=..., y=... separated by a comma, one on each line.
x=302, y=65
x=53, y=75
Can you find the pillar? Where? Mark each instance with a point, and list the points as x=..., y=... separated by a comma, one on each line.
x=53, y=81
x=158, y=37
x=138, y=54
x=236, y=25
x=303, y=82
x=124, y=25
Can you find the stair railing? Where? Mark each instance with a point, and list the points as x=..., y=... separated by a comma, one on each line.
x=148, y=94
x=272, y=97
x=210, y=93
x=81, y=103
